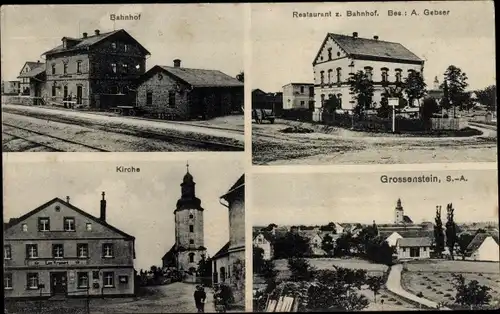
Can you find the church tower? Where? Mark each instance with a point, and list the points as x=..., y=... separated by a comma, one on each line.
x=436, y=83
x=189, y=236
x=399, y=213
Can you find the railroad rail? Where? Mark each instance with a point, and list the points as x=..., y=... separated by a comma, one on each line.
x=51, y=147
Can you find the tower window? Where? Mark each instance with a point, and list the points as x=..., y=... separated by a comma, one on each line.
x=191, y=216
x=191, y=228
x=191, y=257
x=191, y=241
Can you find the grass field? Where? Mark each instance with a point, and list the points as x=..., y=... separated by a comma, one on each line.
x=434, y=279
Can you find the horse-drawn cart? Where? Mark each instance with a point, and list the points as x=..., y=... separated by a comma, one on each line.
x=263, y=114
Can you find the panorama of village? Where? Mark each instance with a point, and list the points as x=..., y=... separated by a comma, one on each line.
x=105, y=252
x=360, y=93
x=101, y=85
x=431, y=255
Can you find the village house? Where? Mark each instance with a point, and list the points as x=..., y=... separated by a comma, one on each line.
x=189, y=247
x=413, y=248
x=298, y=96
x=58, y=249
x=484, y=247
x=264, y=240
x=29, y=77
x=11, y=87
x=228, y=264
x=174, y=92
x=393, y=236
x=385, y=63
x=97, y=71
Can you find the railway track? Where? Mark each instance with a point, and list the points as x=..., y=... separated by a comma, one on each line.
x=49, y=142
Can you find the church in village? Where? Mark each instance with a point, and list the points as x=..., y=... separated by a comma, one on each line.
x=188, y=248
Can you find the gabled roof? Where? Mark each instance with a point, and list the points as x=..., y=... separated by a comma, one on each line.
x=15, y=221
x=268, y=236
x=407, y=219
x=362, y=48
x=202, y=77
x=478, y=240
x=34, y=72
x=222, y=252
x=408, y=233
x=239, y=184
x=170, y=254
x=33, y=64
x=414, y=242
x=89, y=41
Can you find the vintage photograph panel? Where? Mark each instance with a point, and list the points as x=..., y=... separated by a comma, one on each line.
x=395, y=241
x=123, y=78
x=373, y=83
x=156, y=236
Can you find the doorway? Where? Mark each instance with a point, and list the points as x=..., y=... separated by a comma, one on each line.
x=58, y=283
x=79, y=94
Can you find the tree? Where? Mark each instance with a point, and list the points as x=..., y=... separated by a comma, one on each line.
x=472, y=295
x=362, y=88
x=258, y=258
x=375, y=283
x=300, y=269
x=204, y=270
x=454, y=84
x=291, y=245
x=438, y=233
x=488, y=97
x=414, y=87
x=343, y=245
x=327, y=244
x=241, y=77
x=429, y=108
x=332, y=104
x=329, y=227
x=451, y=230
x=463, y=242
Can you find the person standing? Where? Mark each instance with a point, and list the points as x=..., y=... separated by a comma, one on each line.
x=200, y=298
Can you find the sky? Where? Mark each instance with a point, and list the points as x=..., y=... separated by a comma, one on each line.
x=319, y=198
x=140, y=204
x=284, y=47
x=206, y=36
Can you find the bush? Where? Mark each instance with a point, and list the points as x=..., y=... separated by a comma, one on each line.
x=428, y=287
x=420, y=294
x=439, y=292
x=392, y=299
x=447, y=295
x=480, y=275
x=398, y=303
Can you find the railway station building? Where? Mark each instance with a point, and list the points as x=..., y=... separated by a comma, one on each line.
x=96, y=71
x=60, y=250
x=175, y=92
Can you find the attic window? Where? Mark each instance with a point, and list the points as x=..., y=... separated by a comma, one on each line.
x=25, y=227
x=338, y=53
x=160, y=76
x=58, y=208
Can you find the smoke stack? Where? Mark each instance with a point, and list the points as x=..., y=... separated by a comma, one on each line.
x=97, y=32
x=67, y=199
x=375, y=37
x=355, y=35
x=85, y=35
x=103, y=208
x=177, y=63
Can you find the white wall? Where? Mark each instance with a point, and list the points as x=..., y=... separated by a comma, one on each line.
x=488, y=251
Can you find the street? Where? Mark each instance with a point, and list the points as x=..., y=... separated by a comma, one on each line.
x=42, y=129
x=330, y=145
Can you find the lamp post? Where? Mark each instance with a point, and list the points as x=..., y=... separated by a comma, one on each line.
x=393, y=102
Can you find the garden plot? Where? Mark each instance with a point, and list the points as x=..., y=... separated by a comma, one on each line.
x=438, y=286
x=453, y=266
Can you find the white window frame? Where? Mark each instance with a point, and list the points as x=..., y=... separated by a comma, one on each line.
x=83, y=247
x=24, y=227
x=88, y=226
x=56, y=252
x=5, y=255
x=33, y=280
x=68, y=219
x=113, y=68
x=83, y=276
x=108, y=280
x=33, y=248
x=108, y=248
x=44, y=223
x=7, y=281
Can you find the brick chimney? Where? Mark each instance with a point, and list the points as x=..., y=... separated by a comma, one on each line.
x=103, y=208
x=97, y=32
x=67, y=199
x=85, y=35
x=375, y=37
x=177, y=63
x=355, y=35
